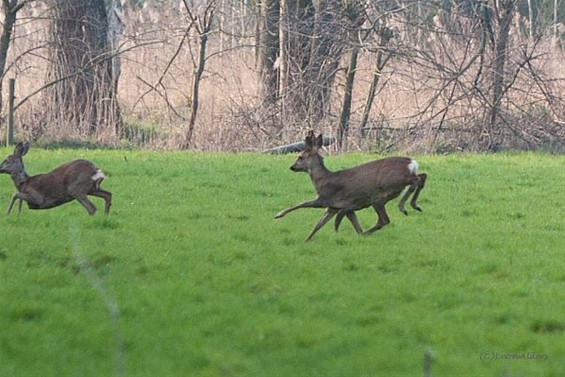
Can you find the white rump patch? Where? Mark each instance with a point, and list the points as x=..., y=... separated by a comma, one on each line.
x=99, y=175
x=413, y=167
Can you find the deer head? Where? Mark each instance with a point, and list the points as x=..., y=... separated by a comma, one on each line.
x=14, y=164
x=310, y=157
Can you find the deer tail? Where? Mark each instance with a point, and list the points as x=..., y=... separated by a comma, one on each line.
x=98, y=177
x=413, y=167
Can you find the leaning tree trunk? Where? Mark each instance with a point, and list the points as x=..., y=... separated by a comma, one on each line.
x=83, y=94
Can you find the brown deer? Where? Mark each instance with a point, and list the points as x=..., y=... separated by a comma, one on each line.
x=71, y=181
x=346, y=191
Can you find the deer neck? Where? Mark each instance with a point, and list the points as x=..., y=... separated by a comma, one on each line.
x=20, y=178
x=318, y=174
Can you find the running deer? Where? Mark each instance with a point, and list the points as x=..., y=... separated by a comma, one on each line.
x=346, y=191
x=71, y=181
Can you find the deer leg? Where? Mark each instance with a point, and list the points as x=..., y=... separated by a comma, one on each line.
x=382, y=218
x=317, y=203
x=407, y=194
x=421, y=183
x=106, y=195
x=330, y=212
x=86, y=204
x=15, y=197
x=338, y=219
x=351, y=216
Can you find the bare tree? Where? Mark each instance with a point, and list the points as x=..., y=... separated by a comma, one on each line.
x=203, y=25
x=427, y=75
x=473, y=77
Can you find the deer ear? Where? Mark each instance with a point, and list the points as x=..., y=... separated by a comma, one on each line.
x=21, y=149
x=309, y=139
x=319, y=141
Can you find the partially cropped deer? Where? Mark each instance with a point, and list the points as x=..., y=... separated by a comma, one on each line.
x=71, y=181
x=346, y=191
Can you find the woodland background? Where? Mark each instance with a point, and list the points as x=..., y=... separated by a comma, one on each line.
x=384, y=75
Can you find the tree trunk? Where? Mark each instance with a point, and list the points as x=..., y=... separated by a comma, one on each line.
x=353, y=12
x=203, y=23
x=343, y=126
x=386, y=35
x=505, y=20
x=297, y=147
x=325, y=54
x=10, y=9
x=555, y=24
x=308, y=35
x=115, y=30
x=284, y=37
x=298, y=25
x=83, y=96
x=269, y=51
x=530, y=20
x=196, y=85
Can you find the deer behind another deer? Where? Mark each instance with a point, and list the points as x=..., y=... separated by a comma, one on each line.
x=346, y=191
x=71, y=181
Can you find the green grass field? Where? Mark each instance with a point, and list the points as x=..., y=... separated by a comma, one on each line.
x=190, y=275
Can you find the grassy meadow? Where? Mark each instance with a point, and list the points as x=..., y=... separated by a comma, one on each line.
x=190, y=274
